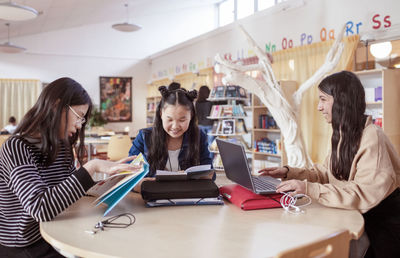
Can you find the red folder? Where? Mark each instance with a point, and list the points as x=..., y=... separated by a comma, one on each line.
x=247, y=200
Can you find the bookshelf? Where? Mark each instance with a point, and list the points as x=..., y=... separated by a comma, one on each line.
x=228, y=114
x=151, y=105
x=382, y=96
x=267, y=141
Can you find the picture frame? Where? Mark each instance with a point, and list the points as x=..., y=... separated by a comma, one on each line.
x=116, y=98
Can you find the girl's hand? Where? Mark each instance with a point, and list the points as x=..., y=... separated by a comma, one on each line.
x=110, y=167
x=293, y=186
x=274, y=172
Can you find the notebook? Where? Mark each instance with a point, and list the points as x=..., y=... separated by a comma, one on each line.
x=236, y=168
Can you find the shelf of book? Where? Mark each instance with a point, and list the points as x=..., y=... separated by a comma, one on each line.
x=226, y=117
x=382, y=96
x=229, y=114
x=267, y=130
x=151, y=106
x=267, y=154
x=267, y=144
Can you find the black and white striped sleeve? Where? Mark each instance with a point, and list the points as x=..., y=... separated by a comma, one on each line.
x=42, y=201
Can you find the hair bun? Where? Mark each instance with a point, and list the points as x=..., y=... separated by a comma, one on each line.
x=192, y=94
x=164, y=91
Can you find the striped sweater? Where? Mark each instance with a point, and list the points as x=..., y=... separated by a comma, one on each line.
x=30, y=192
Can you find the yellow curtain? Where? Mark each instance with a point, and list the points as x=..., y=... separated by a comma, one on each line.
x=17, y=96
x=299, y=64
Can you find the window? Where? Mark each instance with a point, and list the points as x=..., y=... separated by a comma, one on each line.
x=232, y=10
x=264, y=4
x=226, y=12
x=244, y=8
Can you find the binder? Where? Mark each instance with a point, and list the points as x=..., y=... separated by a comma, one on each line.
x=247, y=200
x=186, y=201
x=160, y=190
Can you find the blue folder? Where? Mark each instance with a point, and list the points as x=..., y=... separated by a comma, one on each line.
x=113, y=197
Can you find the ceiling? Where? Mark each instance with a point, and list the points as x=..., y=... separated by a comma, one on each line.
x=92, y=19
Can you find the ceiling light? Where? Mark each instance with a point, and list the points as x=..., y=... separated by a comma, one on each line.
x=381, y=50
x=126, y=26
x=14, y=12
x=8, y=47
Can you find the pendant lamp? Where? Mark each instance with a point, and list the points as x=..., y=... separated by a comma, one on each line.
x=8, y=47
x=14, y=12
x=126, y=26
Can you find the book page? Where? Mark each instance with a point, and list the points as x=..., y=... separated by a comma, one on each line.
x=104, y=185
x=169, y=173
x=198, y=168
x=195, y=172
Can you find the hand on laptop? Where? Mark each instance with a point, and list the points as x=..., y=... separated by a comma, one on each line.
x=274, y=172
x=293, y=186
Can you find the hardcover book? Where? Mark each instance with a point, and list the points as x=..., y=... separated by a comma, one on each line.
x=112, y=189
x=195, y=172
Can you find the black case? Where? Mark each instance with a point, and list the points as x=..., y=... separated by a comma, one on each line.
x=157, y=190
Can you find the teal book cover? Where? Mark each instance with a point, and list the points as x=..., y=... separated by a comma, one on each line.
x=124, y=186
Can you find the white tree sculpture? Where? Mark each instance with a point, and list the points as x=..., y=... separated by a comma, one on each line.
x=284, y=111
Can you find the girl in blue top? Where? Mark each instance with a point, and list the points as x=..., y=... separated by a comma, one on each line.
x=174, y=142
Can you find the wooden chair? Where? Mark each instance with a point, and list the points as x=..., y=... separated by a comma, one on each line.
x=3, y=138
x=118, y=147
x=334, y=245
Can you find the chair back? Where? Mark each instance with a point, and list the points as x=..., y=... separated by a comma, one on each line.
x=334, y=245
x=118, y=147
x=3, y=138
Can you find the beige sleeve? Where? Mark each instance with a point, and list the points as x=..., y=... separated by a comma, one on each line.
x=372, y=178
x=318, y=173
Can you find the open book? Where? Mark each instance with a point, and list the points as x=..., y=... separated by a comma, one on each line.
x=195, y=172
x=112, y=189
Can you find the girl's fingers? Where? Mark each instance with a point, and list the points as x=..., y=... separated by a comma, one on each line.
x=124, y=160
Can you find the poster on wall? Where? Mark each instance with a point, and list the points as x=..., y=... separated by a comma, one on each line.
x=116, y=98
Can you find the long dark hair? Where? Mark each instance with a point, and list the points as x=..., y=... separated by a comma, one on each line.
x=44, y=118
x=348, y=119
x=158, y=150
x=204, y=92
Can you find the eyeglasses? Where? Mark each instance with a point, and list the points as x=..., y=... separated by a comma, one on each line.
x=81, y=120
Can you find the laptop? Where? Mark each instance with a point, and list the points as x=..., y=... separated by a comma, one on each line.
x=236, y=168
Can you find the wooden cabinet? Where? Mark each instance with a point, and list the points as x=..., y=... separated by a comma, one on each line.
x=383, y=104
x=268, y=148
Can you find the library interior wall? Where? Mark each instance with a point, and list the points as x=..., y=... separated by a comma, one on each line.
x=268, y=27
x=275, y=29
x=85, y=70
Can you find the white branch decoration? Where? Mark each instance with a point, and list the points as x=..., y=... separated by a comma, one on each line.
x=284, y=111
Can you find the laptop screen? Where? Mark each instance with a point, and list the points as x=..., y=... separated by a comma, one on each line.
x=235, y=164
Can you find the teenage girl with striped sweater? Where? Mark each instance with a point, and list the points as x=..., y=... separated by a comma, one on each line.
x=38, y=179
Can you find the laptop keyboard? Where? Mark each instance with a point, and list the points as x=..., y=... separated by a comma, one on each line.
x=262, y=183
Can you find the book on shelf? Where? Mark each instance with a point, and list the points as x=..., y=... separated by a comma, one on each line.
x=195, y=172
x=219, y=92
x=227, y=111
x=242, y=92
x=232, y=91
x=238, y=110
x=114, y=188
x=216, y=111
x=228, y=126
x=241, y=126
x=267, y=122
x=214, y=146
x=215, y=127
x=217, y=162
